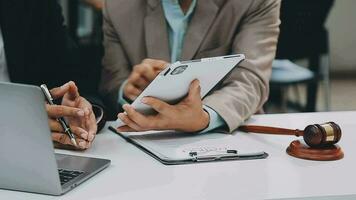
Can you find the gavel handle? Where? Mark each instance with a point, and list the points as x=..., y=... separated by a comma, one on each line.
x=271, y=130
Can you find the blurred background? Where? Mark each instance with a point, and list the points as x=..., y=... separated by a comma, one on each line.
x=315, y=66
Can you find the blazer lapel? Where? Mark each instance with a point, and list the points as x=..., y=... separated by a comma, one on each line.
x=12, y=26
x=200, y=23
x=156, y=32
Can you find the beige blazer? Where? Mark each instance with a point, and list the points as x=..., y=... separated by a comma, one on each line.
x=136, y=29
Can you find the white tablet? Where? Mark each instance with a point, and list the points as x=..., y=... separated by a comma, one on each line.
x=172, y=84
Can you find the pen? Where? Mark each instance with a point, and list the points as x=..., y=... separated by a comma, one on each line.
x=61, y=119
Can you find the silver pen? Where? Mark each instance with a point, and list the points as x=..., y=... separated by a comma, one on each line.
x=61, y=119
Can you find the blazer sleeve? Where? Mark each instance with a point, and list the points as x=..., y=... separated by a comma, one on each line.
x=116, y=66
x=245, y=91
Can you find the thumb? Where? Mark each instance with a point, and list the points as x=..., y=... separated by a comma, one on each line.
x=73, y=91
x=69, y=88
x=194, y=90
x=59, y=92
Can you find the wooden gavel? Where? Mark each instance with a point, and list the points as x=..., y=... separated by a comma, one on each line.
x=315, y=136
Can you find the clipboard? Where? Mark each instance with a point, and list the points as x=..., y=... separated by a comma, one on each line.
x=174, y=148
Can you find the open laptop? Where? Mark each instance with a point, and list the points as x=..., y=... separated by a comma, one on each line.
x=28, y=161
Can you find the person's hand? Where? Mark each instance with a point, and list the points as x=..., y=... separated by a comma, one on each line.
x=141, y=76
x=79, y=114
x=187, y=116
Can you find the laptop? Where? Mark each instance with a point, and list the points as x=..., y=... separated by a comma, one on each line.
x=28, y=161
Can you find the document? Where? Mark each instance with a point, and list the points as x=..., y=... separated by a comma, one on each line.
x=172, y=147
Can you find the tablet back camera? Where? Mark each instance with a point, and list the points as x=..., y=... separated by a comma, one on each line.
x=179, y=70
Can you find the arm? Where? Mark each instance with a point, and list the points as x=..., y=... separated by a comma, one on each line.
x=60, y=55
x=115, y=64
x=62, y=61
x=215, y=120
x=247, y=88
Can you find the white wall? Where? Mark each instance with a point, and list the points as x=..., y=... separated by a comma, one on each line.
x=342, y=30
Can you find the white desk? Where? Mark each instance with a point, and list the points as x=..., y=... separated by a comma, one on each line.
x=135, y=175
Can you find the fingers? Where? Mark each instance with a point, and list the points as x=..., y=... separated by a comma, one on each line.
x=157, y=64
x=80, y=133
x=61, y=138
x=65, y=140
x=69, y=88
x=59, y=92
x=56, y=111
x=124, y=118
x=131, y=92
x=82, y=137
x=145, y=71
x=138, y=80
x=158, y=105
x=55, y=126
x=142, y=121
x=89, y=122
x=149, y=68
x=142, y=75
x=194, y=90
x=84, y=105
x=92, y=127
x=73, y=91
x=125, y=129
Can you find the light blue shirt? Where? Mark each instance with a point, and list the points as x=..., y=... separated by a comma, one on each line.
x=178, y=24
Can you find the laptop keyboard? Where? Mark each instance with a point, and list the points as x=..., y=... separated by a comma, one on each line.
x=68, y=175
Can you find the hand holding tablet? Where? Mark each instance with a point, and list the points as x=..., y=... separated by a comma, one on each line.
x=174, y=84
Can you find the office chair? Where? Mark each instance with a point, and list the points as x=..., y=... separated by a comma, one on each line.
x=302, y=36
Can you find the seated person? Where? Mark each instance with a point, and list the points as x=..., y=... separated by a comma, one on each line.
x=141, y=37
x=34, y=49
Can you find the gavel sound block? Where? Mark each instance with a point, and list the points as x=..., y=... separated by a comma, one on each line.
x=320, y=138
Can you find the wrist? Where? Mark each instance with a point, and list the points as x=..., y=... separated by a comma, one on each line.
x=202, y=122
x=205, y=121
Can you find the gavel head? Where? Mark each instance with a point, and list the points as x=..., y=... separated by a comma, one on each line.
x=322, y=135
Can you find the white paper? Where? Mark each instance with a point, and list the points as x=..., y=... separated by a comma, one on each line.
x=171, y=145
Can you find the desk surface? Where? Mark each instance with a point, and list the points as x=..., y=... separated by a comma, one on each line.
x=135, y=175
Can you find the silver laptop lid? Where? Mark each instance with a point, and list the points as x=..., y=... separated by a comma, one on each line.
x=26, y=151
